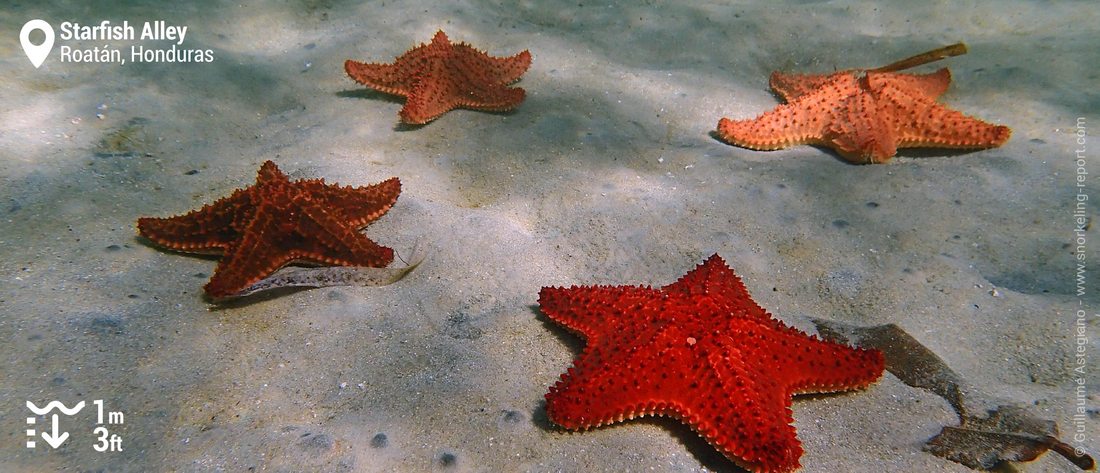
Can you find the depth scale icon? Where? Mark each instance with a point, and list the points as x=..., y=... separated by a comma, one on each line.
x=54, y=437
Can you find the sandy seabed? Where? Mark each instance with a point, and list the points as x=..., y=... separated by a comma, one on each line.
x=606, y=174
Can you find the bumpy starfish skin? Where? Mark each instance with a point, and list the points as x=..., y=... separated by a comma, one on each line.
x=276, y=222
x=864, y=116
x=441, y=76
x=702, y=351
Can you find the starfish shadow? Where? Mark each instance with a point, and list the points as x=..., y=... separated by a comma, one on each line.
x=572, y=340
x=402, y=126
x=217, y=305
x=707, y=456
x=370, y=94
x=903, y=153
x=935, y=152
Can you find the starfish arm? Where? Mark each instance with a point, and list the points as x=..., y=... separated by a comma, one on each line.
x=802, y=121
x=744, y=413
x=583, y=310
x=253, y=257
x=400, y=77
x=714, y=283
x=491, y=97
x=209, y=229
x=440, y=40
x=388, y=78
x=931, y=85
x=613, y=381
x=782, y=127
x=807, y=364
x=922, y=122
x=792, y=86
x=363, y=205
x=958, y=131
x=490, y=69
x=610, y=382
x=333, y=242
x=430, y=98
x=269, y=174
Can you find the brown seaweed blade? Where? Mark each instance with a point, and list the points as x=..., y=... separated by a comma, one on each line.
x=909, y=360
x=1007, y=433
x=1010, y=433
x=937, y=54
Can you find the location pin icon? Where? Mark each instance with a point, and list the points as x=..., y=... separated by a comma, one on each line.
x=36, y=53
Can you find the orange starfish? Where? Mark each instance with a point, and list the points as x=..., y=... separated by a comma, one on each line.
x=441, y=76
x=702, y=351
x=864, y=115
x=276, y=222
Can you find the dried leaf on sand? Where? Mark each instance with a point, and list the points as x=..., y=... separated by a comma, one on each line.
x=980, y=441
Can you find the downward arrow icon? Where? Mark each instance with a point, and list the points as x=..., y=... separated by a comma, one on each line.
x=53, y=439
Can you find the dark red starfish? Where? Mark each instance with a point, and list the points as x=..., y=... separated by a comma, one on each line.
x=702, y=351
x=441, y=76
x=276, y=222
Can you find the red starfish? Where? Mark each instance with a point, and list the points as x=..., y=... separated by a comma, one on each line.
x=442, y=76
x=275, y=222
x=702, y=351
x=864, y=115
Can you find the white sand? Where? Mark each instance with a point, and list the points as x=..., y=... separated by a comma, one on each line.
x=606, y=174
